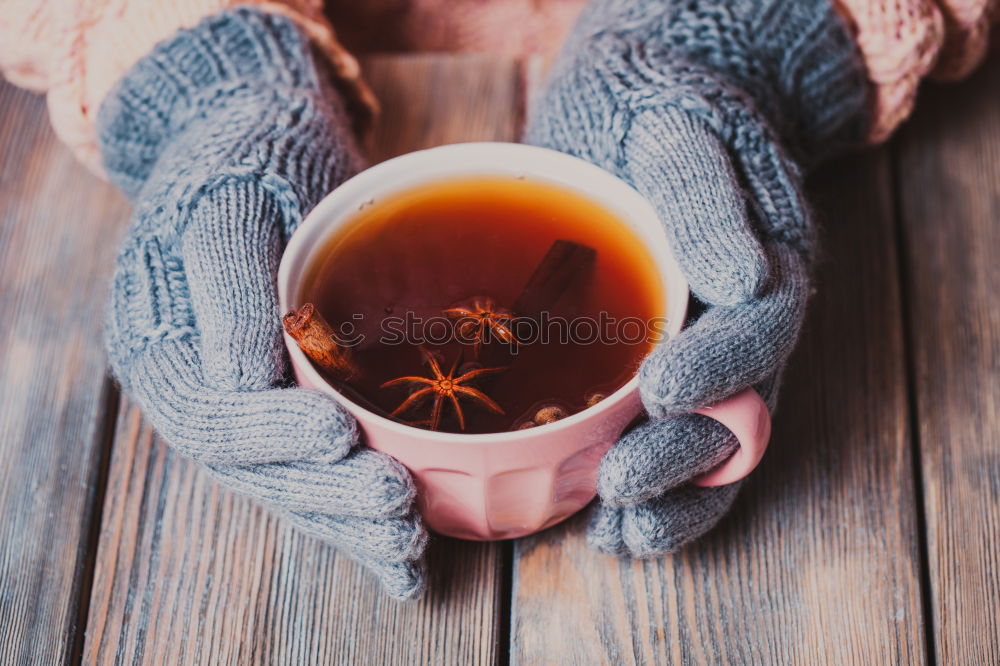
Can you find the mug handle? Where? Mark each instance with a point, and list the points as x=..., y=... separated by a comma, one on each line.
x=748, y=417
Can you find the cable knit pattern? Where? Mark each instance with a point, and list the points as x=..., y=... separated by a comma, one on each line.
x=224, y=137
x=707, y=107
x=77, y=49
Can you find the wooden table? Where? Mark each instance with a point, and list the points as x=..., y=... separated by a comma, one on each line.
x=871, y=533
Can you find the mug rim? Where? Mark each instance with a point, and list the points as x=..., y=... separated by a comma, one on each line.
x=474, y=158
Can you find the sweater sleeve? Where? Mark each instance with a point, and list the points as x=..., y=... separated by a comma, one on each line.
x=967, y=26
x=75, y=51
x=904, y=41
x=27, y=40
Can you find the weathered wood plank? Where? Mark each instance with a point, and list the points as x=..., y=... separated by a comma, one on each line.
x=818, y=563
x=191, y=573
x=188, y=571
x=949, y=175
x=58, y=226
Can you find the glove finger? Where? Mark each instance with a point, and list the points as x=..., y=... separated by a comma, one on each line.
x=231, y=247
x=365, y=483
x=663, y=524
x=729, y=347
x=679, y=516
x=392, y=549
x=368, y=539
x=604, y=531
x=217, y=426
x=681, y=166
x=660, y=454
x=403, y=581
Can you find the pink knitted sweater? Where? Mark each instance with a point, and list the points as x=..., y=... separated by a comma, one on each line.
x=75, y=50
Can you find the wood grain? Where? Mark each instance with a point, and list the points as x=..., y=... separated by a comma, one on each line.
x=949, y=175
x=58, y=226
x=189, y=572
x=818, y=562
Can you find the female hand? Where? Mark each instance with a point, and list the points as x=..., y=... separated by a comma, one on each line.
x=224, y=136
x=700, y=105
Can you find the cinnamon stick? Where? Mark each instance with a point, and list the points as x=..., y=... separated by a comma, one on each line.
x=317, y=339
x=566, y=263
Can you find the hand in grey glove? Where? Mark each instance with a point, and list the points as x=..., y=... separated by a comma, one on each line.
x=700, y=106
x=224, y=137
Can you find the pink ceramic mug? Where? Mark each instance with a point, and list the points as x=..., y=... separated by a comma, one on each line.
x=509, y=484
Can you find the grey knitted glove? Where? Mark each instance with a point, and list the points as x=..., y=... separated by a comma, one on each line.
x=701, y=105
x=224, y=137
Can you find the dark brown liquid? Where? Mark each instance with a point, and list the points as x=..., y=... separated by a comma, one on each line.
x=447, y=243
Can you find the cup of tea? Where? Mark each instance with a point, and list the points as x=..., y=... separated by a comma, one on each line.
x=491, y=304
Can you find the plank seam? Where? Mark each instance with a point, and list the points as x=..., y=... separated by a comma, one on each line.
x=912, y=408
x=103, y=442
x=505, y=605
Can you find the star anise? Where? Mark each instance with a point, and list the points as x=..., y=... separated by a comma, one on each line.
x=444, y=387
x=481, y=322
